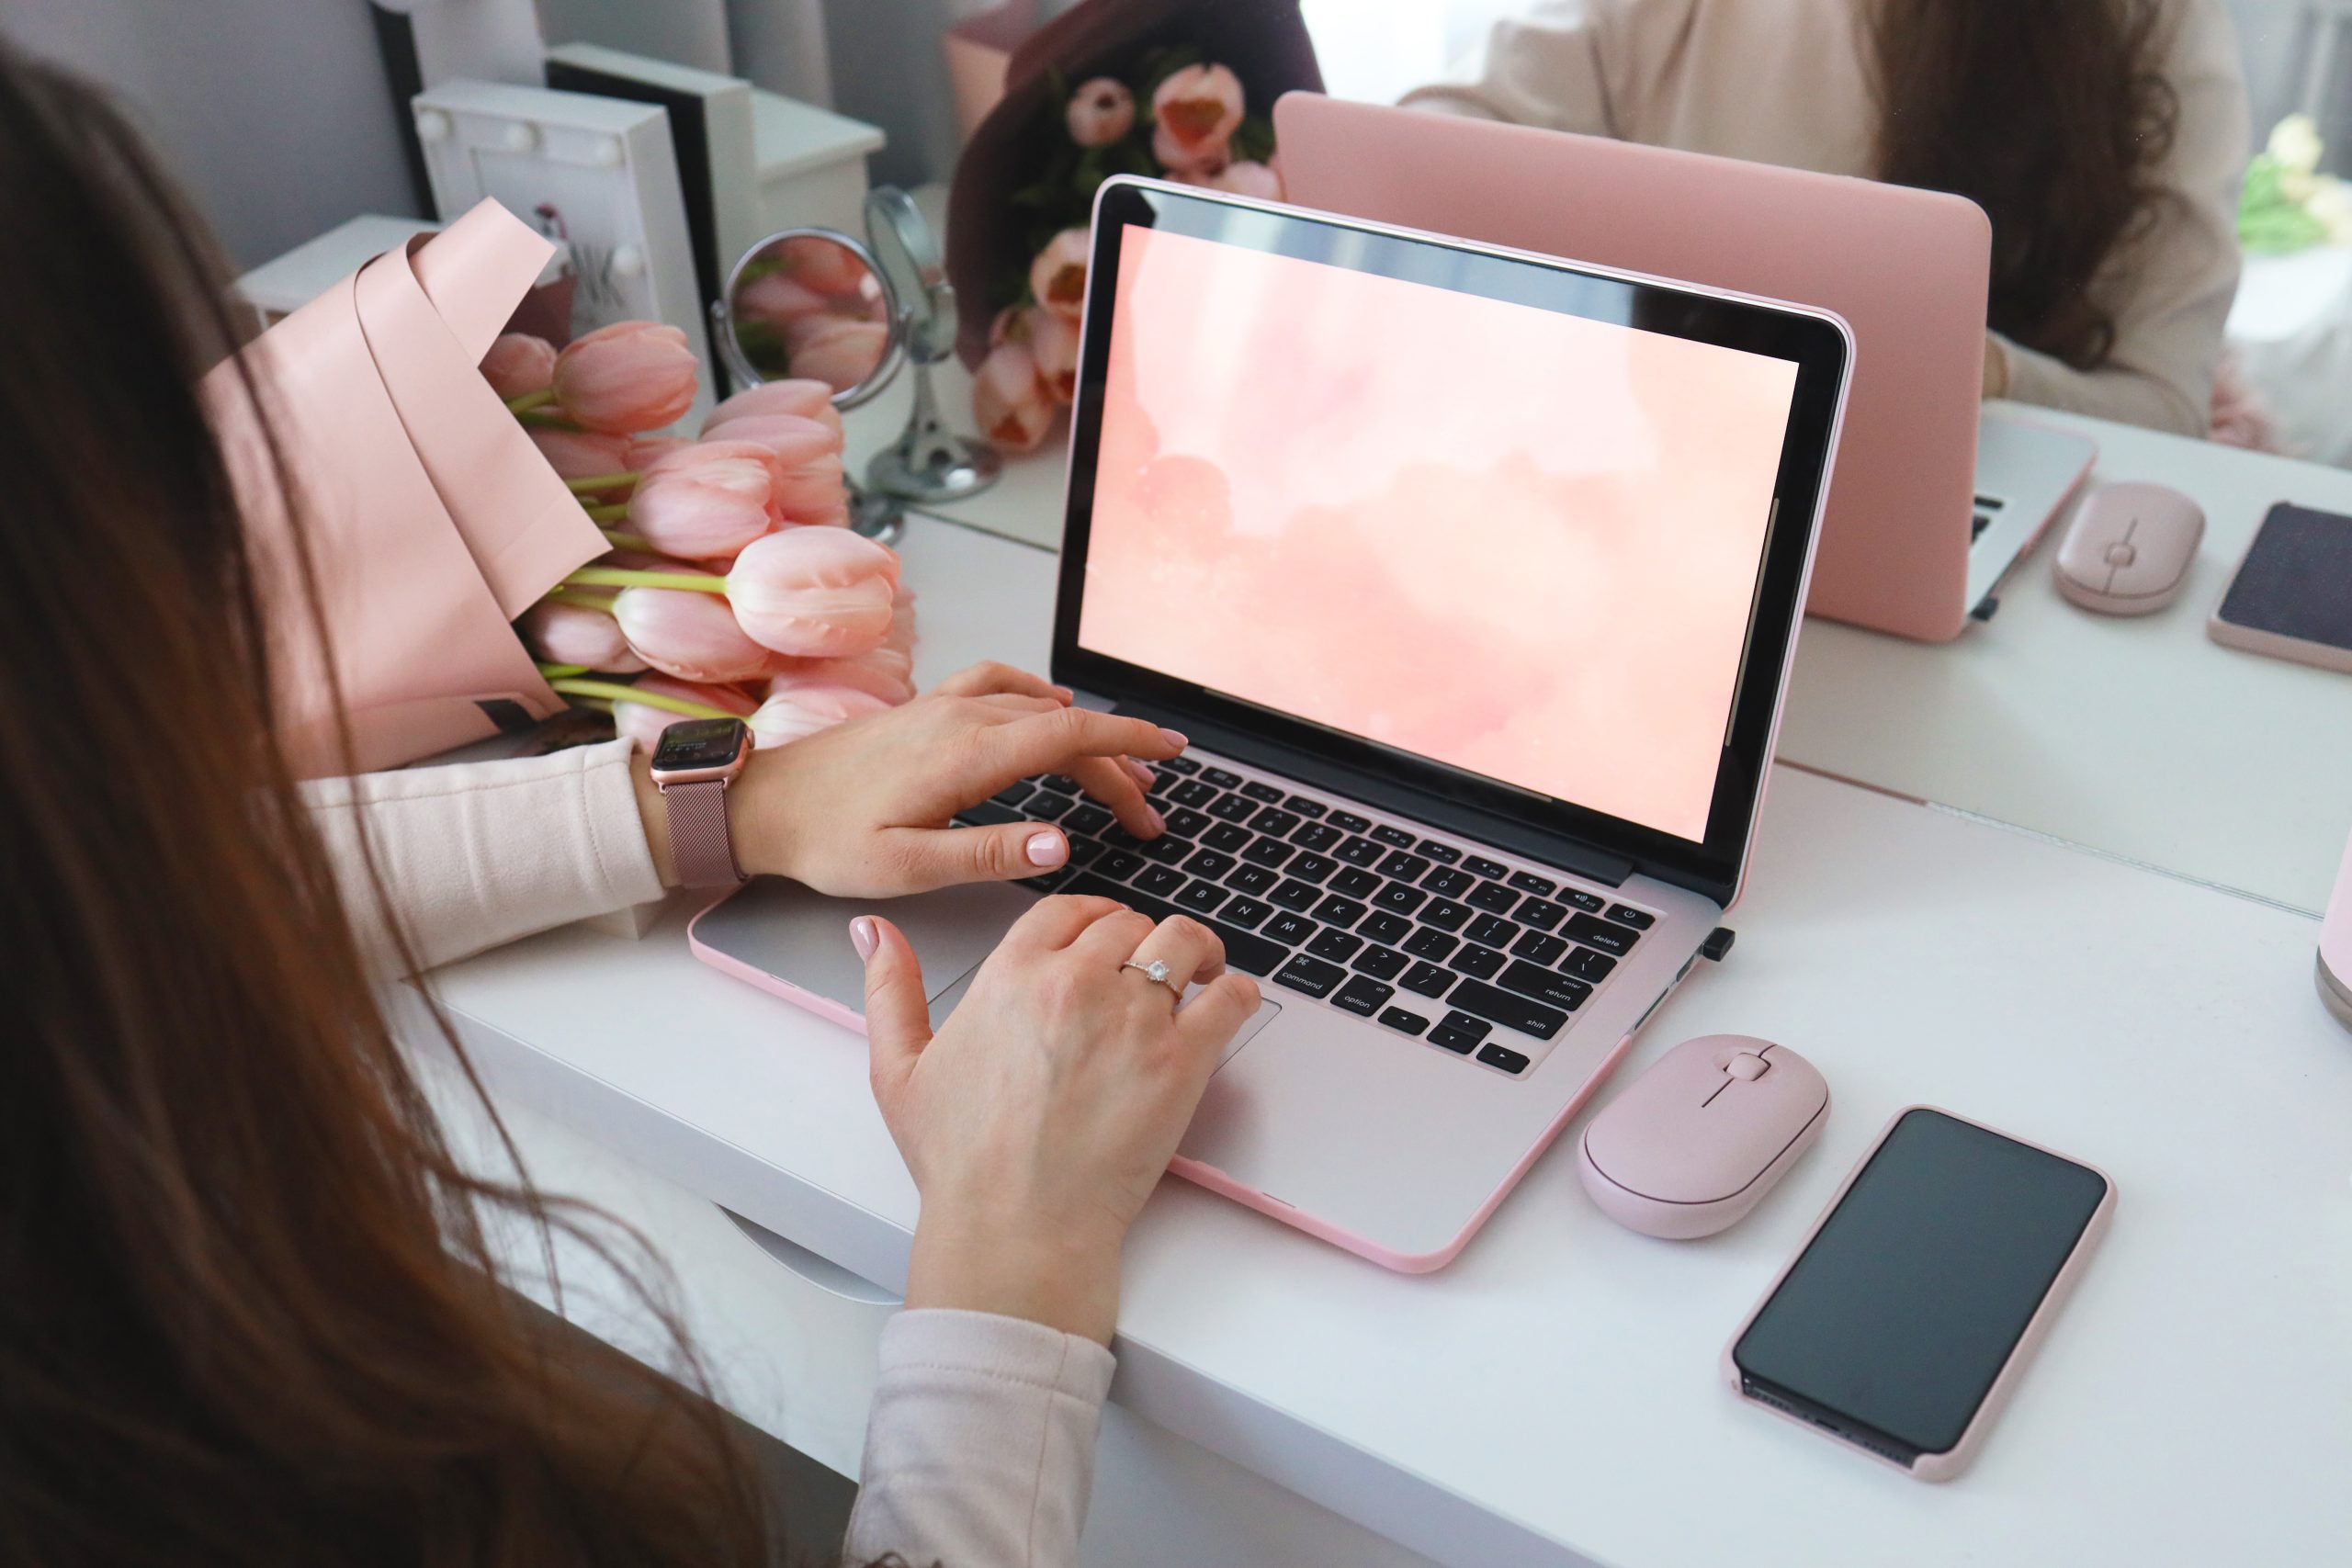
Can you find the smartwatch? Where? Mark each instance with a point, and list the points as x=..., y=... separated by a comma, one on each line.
x=692, y=768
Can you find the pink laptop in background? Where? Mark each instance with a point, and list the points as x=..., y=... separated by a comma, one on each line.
x=1931, y=498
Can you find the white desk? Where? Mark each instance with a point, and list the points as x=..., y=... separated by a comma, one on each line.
x=1552, y=1397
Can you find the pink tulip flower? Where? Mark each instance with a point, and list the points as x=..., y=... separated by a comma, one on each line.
x=809, y=486
x=1100, y=112
x=1057, y=276
x=642, y=723
x=803, y=398
x=1053, y=343
x=813, y=593
x=801, y=707
x=885, y=673
x=1249, y=178
x=901, y=639
x=625, y=378
x=706, y=506
x=1010, y=400
x=1188, y=165
x=819, y=263
x=518, y=365
x=577, y=634
x=1194, y=113
x=578, y=454
x=691, y=634
x=644, y=451
x=835, y=350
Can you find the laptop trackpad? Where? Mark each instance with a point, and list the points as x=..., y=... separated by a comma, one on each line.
x=802, y=938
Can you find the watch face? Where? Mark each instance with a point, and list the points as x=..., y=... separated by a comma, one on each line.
x=699, y=743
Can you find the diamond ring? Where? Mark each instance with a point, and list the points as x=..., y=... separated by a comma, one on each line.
x=1159, y=974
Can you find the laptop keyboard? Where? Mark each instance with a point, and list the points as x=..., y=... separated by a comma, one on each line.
x=1460, y=950
x=1988, y=509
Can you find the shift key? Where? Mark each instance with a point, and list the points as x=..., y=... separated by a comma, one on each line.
x=1498, y=1006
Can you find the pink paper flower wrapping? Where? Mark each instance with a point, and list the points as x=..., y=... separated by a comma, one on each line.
x=577, y=634
x=803, y=706
x=1058, y=277
x=814, y=593
x=1009, y=398
x=642, y=723
x=518, y=365
x=803, y=398
x=691, y=634
x=628, y=377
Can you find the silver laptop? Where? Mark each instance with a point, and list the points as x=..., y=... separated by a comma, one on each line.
x=1474, y=578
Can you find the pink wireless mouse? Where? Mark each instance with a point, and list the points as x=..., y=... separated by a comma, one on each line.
x=2129, y=549
x=1695, y=1142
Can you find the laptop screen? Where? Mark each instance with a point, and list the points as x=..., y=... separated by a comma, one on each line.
x=1513, y=540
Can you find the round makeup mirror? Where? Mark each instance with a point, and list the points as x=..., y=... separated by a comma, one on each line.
x=811, y=304
x=928, y=462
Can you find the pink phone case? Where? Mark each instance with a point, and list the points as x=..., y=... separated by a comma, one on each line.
x=1951, y=1461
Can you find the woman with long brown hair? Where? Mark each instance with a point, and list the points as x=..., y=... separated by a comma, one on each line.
x=251, y=1312
x=2106, y=139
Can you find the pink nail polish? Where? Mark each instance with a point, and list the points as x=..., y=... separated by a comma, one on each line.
x=1175, y=737
x=862, y=936
x=1159, y=823
x=1048, y=848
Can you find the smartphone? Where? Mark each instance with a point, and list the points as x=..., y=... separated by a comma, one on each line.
x=1902, y=1324
x=2292, y=595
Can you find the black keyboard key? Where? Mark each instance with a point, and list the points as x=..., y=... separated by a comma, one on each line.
x=1541, y=913
x=1247, y=912
x=1293, y=893
x=1049, y=882
x=1160, y=881
x=1252, y=879
x=1192, y=792
x=1267, y=852
x=1316, y=836
x=1461, y=1042
x=1182, y=765
x=1087, y=820
x=1626, y=915
x=1118, y=838
x=1167, y=848
x=1478, y=962
x=1356, y=882
x=1313, y=868
x=1614, y=940
x=1445, y=854
x=1499, y=1055
x=1491, y=930
x=1538, y=948
x=1553, y=989
x=1015, y=793
x=1120, y=864
x=1387, y=928
x=1273, y=820
x=1349, y=822
x=1221, y=778
x=1232, y=808
x=1061, y=783
x=1209, y=863
x=1511, y=1011
x=987, y=814
x=1305, y=807
x=1363, y=996
x=1311, y=975
x=1404, y=868
x=1226, y=836
x=1359, y=852
x=1464, y=1023
x=1590, y=903
x=1484, y=866
x=1337, y=912
x=1045, y=806
x=1427, y=980
x=1337, y=946
x=1449, y=882
x=1528, y=882
x=1250, y=954
x=1187, y=823
x=1290, y=930
x=1586, y=965
x=1445, y=914
x=1202, y=898
x=1397, y=836
x=1256, y=789
x=1400, y=897
x=1431, y=945
x=1494, y=897
x=1404, y=1022
x=1083, y=851
x=1381, y=963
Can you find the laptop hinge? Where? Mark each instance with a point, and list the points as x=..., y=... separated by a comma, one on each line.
x=1551, y=849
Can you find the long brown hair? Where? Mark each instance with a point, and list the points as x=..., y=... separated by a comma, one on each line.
x=2052, y=116
x=247, y=1308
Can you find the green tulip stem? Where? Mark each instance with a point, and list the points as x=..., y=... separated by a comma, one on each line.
x=621, y=691
x=621, y=577
x=544, y=419
x=524, y=403
x=560, y=671
x=585, y=600
x=621, y=541
x=593, y=484
x=612, y=511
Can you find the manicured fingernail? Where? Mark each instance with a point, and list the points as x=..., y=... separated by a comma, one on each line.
x=1048, y=848
x=1159, y=823
x=1139, y=772
x=1066, y=694
x=862, y=935
x=1174, y=737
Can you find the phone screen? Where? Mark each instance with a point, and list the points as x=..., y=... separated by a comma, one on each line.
x=2297, y=579
x=1893, y=1323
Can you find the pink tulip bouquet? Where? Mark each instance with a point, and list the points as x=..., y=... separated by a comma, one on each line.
x=733, y=586
x=1172, y=114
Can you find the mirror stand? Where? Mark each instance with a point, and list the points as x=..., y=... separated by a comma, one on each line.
x=930, y=462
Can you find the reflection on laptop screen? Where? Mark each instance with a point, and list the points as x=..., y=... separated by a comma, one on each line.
x=1510, y=540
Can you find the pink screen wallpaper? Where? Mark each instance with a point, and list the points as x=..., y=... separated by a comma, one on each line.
x=1519, y=543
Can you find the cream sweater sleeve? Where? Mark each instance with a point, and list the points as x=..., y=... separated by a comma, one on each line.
x=1545, y=68
x=980, y=1451
x=478, y=853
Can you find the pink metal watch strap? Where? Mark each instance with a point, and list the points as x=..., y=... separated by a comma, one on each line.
x=699, y=840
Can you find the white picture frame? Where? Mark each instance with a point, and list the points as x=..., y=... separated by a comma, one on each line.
x=598, y=174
